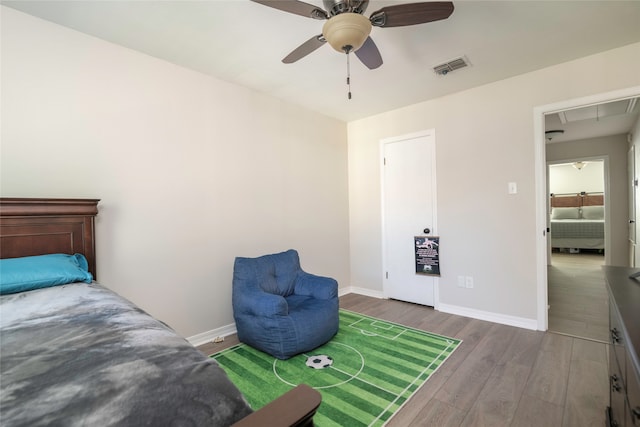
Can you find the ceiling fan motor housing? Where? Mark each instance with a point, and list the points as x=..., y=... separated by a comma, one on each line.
x=336, y=7
x=346, y=32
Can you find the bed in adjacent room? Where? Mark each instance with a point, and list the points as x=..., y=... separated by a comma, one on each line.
x=577, y=221
x=74, y=353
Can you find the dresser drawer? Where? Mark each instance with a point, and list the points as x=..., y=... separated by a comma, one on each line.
x=624, y=328
x=633, y=395
x=616, y=392
x=616, y=337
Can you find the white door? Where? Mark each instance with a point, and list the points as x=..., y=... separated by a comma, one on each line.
x=409, y=208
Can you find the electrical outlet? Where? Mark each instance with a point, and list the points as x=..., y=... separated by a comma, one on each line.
x=468, y=282
x=461, y=283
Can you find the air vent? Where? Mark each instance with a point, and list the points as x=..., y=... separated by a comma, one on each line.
x=449, y=66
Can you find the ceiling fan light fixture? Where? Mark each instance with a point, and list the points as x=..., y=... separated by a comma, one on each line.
x=346, y=32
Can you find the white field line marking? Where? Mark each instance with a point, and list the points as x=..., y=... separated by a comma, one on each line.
x=413, y=382
x=355, y=377
x=445, y=338
x=352, y=376
x=373, y=324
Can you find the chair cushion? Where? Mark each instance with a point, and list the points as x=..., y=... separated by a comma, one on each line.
x=280, y=309
x=277, y=273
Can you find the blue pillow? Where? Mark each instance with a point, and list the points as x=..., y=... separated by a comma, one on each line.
x=43, y=271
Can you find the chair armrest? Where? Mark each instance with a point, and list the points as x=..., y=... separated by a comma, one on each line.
x=260, y=304
x=294, y=408
x=316, y=286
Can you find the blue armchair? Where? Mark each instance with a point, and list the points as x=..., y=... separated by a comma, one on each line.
x=279, y=308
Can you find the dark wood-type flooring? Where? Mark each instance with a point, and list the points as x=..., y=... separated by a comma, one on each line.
x=499, y=376
x=578, y=299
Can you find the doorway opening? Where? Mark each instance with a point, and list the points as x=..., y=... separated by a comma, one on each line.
x=579, y=106
x=578, y=300
x=577, y=210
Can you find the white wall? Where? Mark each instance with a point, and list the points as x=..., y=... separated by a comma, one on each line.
x=484, y=139
x=564, y=178
x=634, y=198
x=191, y=171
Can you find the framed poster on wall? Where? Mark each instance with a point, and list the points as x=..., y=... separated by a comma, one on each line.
x=427, y=252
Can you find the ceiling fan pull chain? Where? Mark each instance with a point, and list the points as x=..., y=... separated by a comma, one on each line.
x=348, y=76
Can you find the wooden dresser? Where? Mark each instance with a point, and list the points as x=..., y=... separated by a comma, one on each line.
x=624, y=366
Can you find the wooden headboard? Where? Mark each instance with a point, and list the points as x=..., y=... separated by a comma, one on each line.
x=44, y=226
x=593, y=199
x=576, y=200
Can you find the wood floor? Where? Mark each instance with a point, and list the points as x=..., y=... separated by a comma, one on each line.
x=578, y=299
x=499, y=376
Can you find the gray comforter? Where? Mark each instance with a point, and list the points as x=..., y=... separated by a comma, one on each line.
x=80, y=355
x=580, y=228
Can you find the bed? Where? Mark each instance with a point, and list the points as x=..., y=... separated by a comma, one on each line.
x=78, y=354
x=577, y=221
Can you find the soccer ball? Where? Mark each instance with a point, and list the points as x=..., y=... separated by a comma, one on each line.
x=320, y=361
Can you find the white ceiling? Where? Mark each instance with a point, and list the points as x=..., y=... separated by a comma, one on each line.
x=593, y=121
x=243, y=42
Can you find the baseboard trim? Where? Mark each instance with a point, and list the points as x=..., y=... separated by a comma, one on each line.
x=519, y=322
x=211, y=335
x=360, y=291
x=504, y=319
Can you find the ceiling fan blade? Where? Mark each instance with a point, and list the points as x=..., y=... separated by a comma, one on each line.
x=305, y=49
x=296, y=7
x=369, y=54
x=411, y=14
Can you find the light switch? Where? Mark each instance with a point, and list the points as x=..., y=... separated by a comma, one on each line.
x=461, y=282
x=513, y=188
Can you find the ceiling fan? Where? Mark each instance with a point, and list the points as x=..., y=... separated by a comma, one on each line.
x=347, y=30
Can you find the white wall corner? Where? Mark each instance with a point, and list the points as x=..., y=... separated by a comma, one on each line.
x=209, y=336
x=519, y=322
x=224, y=331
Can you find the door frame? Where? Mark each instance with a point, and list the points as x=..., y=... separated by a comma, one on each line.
x=540, y=166
x=390, y=140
